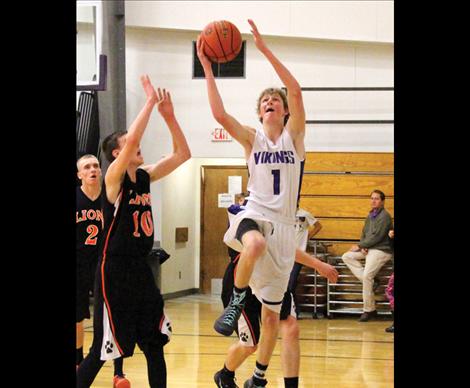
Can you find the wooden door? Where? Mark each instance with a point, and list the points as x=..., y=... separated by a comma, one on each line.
x=214, y=221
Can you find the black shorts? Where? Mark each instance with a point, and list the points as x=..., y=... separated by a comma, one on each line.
x=288, y=306
x=245, y=225
x=134, y=305
x=85, y=274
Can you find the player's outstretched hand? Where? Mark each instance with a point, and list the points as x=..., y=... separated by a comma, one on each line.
x=205, y=62
x=259, y=42
x=329, y=272
x=148, y=88
x=164, y=104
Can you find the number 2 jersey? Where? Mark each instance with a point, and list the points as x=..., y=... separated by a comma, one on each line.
x=89, y=225
x=128, y=222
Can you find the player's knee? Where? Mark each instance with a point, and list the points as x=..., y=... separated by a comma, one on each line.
x=256, y=246
x=271, y=321
x=249, y=350
x=290, y=330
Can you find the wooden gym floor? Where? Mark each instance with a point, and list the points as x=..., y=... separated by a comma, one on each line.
x=336, y=353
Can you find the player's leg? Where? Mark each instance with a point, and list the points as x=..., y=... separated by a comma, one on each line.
x=254, y=245
x=290, y=346
x=91, y=364
x=156, y=365
x=268, y=338
x=82, y=311
x=79, y=342
x=290, y=351
x=236, y=355
x=119, y=379
x=248, y=329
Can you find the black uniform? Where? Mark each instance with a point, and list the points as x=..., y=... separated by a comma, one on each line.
x=128, y=306
x=89, y=226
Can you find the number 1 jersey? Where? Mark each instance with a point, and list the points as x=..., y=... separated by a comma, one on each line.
x=274, y=174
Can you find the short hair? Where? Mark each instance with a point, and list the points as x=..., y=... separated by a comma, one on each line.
x=86, y=156
x=110, y=143
x=381, y=193
x=270, y=92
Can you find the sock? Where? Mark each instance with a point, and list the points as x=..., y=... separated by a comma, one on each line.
x=79, y=355
x=259, y=374
x=118, y=367
x=239, y=290
x=238, y=297
x=291, y=382
x=227, y=372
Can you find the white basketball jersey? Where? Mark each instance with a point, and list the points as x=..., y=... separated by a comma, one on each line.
x=274, y=174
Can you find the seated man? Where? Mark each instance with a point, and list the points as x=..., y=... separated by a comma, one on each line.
x=375, y=248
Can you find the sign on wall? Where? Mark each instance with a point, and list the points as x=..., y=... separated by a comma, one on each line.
x=220, y=134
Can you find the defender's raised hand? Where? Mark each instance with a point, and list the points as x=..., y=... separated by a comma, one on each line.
x=164, y=103
x=148, y=88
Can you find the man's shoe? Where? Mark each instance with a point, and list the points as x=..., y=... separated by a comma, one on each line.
x=390, y=329
x=121, y=382
x=223, y=381
x=227, y=322
x=367, y=315
x=250, y=384
x=376, y=285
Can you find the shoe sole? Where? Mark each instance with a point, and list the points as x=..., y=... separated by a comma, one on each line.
x=224, y=330
x=122, y=384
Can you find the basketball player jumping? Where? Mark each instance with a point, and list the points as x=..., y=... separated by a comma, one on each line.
x=264, y=232
x=128, y=306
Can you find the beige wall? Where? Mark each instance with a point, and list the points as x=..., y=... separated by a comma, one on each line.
x=370, y=21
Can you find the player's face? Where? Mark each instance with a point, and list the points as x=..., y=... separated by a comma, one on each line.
x=375, y=201
x=272, y=108
x=138, y=159
x=89, y=171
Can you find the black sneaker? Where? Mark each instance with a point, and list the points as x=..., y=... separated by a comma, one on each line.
x=227, y=322
x=367, y=315
x=250, y=384
x=390, y=329
x=223, y=381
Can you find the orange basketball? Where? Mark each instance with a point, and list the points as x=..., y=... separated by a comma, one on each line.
x=222, y=41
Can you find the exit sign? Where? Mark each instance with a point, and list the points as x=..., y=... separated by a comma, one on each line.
x=220, y=134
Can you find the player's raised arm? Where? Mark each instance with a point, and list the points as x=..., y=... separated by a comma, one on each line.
x=296, y=123
x=181, y=151
x=117, y=168
x=236, y=130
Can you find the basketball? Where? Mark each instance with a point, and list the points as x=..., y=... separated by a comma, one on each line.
x=222, y=41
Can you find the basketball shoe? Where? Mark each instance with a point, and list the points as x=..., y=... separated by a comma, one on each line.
x=224, y=381
x=121, y=382
x=227, y=322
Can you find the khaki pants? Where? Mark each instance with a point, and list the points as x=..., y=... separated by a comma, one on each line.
x=374, y=260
